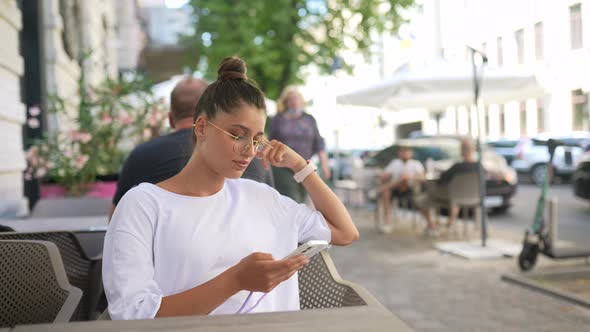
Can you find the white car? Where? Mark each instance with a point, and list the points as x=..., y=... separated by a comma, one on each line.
x=532, y=155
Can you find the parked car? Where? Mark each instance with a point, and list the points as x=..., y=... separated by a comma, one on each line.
x=505, y=147
x=581, y=177
x=343, y=163
x=444, y=151
x=532, y=155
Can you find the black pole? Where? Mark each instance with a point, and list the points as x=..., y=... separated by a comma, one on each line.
x=482, y=180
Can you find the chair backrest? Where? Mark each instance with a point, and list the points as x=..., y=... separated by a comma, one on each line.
x=81, y=271
x=320, y=286
x=35, y=288
x=71, y=207
x=463, y=189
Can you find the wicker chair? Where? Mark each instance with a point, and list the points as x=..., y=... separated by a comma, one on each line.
x=320, y=287
x=35, y=288
x=82, y=272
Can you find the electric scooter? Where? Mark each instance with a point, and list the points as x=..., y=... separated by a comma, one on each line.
x=539, y=238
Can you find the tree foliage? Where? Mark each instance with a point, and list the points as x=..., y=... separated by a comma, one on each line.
x=278, y=37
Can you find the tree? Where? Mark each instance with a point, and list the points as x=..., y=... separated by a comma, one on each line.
x=278, y=37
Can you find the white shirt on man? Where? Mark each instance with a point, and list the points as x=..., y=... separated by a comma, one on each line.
x=410, y=168
x=160, y=243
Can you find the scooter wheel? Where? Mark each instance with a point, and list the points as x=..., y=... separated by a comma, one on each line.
x=528, y=256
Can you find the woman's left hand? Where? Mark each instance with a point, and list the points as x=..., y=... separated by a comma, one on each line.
x=280, y=155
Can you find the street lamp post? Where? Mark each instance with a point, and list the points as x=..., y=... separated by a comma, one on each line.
x=482, y=180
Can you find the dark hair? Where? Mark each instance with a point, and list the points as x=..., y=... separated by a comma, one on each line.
x=231, y=90
x=185, y=96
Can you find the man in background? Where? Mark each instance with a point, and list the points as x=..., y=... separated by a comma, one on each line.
x=398, y=181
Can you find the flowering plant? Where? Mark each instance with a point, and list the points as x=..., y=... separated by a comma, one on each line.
x=108, y=121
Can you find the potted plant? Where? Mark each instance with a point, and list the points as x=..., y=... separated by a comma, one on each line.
x=109, y=120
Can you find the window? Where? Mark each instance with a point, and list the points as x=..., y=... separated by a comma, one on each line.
x=502, y=121
x=576, y=26
x=499, y=47
x=519, y=38
x=579, y=110
x=539, y=47
x=540, y=116
x=522, y=112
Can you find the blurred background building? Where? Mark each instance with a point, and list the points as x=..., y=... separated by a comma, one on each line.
x=43, y=42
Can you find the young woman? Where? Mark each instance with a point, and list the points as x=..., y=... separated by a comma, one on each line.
x=203, y=240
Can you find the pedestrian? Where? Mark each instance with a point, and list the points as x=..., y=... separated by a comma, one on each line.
x=297, y=129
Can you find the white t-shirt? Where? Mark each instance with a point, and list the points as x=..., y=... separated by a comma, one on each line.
x=160, y=243
x=411, y=168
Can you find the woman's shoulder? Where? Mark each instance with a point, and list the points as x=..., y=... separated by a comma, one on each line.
x=142, y=193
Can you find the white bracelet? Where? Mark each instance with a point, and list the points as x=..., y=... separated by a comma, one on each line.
x=304, y=172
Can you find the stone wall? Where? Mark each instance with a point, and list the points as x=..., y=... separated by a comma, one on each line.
x=12, y=114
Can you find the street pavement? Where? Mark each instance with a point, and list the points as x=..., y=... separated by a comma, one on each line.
x=435, y=292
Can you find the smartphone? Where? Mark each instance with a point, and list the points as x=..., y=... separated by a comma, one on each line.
x=309, y=248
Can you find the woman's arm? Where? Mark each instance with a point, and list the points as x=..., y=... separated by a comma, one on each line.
x=257, y=272
x=343, y=229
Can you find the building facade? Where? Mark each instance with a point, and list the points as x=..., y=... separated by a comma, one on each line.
x=42, y=55
x=550, y=37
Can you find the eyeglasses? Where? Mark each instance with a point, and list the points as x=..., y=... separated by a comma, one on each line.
x=243, y=144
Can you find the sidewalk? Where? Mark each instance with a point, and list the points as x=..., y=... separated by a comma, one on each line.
x=434, y=292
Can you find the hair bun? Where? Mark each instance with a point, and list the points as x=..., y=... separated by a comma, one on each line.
x=232, y=68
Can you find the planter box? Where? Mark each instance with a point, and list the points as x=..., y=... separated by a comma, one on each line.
x=100, y=189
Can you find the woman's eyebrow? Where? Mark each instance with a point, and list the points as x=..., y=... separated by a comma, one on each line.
x=246, y=129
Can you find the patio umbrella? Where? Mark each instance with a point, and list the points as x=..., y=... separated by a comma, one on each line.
x=440, y=83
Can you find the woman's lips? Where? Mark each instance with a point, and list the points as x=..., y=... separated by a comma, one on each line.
x=241, y=164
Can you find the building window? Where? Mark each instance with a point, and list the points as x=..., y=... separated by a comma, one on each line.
x=502, y=121
x=579, y=110
x=499, y=47
x=523, y=131
x=519, y=38
x=576, y=26
x=540, y=116
x=539, y=47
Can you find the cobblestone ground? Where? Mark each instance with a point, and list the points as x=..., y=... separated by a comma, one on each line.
x=435, y=292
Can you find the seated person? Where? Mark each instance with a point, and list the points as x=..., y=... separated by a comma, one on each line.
x=398, y=179
x=205, y=240
x=436, y=191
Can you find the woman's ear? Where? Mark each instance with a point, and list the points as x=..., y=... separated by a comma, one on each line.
x=199, y=127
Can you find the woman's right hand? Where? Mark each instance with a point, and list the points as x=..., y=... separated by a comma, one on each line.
x=260, y=272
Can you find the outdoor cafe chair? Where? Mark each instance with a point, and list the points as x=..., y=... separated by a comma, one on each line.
x=82, y=271
x=462, y=191
x=35, y=288
x=321, y=287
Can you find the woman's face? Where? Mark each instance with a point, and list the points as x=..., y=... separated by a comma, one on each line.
x=293, y=101
x=221, y=151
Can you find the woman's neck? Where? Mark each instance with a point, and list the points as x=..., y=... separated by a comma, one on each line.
x=195, y=179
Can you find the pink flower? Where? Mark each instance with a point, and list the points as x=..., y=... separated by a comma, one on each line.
x=34, y=110
x=107, y=119
x=84, y=137
x=33, y=123
x=41, y=172
x=81, y=161
x=125, y=118
x=68, y=153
